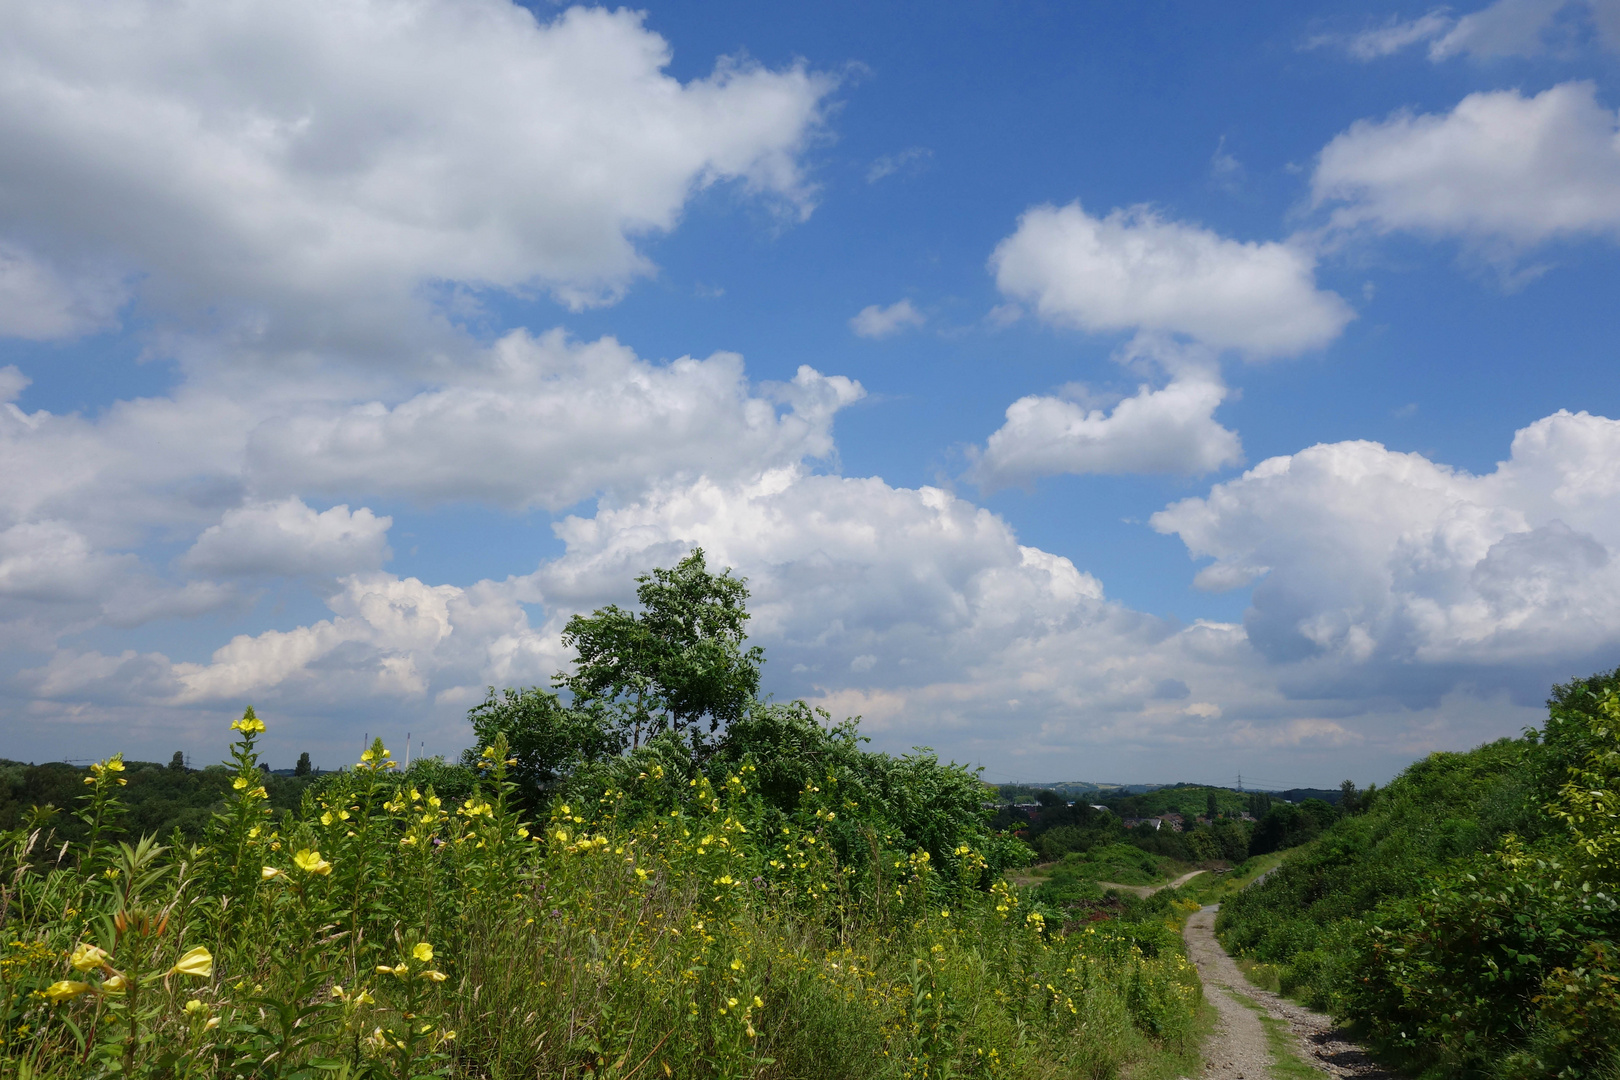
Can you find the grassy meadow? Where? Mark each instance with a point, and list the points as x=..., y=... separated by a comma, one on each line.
x=680, y=923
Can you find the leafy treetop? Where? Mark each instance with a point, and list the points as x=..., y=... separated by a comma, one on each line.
x=681, y=659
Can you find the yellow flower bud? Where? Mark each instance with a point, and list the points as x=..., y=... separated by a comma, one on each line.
x=196, y=961
x=88, y=957
x=65, y=990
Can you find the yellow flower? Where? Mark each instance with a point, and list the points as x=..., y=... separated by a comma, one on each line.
x=196, y=961
x=194, y=1006
x=436, y=976
x=65, y=990
x=87, y=957
x=311, y=862
x=115, y=985
x=326, y=818
x=423, y=952
x=213, y=1022
x=736, y=965
x=249, y=724
x=268, y=872
x=240, y=783
x=364, y=998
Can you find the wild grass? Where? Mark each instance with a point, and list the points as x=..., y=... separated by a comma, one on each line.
x=666, y=930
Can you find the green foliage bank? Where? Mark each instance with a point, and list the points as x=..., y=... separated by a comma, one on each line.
x=1466, y=916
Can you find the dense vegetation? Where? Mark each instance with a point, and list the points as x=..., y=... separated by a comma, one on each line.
x=662, y=875
x=1465, y=917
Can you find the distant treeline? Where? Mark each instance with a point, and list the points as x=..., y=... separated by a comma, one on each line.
x=1217, y=824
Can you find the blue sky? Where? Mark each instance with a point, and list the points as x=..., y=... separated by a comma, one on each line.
x=1139, y=393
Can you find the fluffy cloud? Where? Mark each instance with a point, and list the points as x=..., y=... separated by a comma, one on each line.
x=89, y=506
x=1500, y=168
x=298, y=171
x=874, y=321
x=288, y=538
x=540, y=421
x=1135, y=270
x=909, y=605
x=1169, y=429
x=549, y=422
x=390, y=638
x=53, y=580
x=1414, y=575
x=925, y=614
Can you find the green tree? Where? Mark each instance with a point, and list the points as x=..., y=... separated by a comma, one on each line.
x=178, y=762
x=547, y=739
x=303, y=766
x=680, y=661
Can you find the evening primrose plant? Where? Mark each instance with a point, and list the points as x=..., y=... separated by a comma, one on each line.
x=684, y=919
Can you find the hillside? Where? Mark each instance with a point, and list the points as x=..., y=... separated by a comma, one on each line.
x=1464, y=917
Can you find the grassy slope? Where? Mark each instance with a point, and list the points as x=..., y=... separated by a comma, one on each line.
x=1443, y=808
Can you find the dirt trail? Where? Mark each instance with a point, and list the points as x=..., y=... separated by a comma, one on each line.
x=1145, y=891
x=1237, y=1050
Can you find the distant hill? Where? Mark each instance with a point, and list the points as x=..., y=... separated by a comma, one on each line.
x=1100, y=792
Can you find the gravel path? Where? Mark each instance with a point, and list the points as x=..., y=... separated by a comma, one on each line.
x=1237, y=1050
x=1145, y=891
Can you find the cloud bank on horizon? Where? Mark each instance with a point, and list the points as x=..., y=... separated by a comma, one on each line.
x=396, y=262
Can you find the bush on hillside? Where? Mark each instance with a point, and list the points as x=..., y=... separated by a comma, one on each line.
x=1468, y=921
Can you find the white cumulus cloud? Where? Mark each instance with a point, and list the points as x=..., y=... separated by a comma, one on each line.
x=298, y=171
x=1165, y=429
x=1499, y=169
x=288, y=538
x=549, y=422
x=1135, y=270
x=1410, y=571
